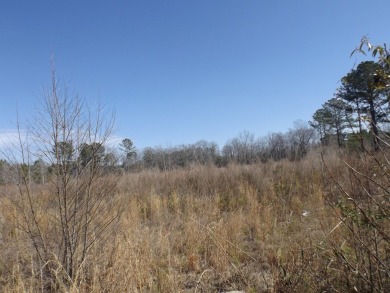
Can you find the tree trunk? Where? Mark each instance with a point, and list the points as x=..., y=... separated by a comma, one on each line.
x=374, y=127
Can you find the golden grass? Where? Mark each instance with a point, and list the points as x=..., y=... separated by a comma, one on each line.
x=202, y=229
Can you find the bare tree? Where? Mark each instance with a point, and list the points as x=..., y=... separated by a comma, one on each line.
x=300, y=139
x=79, y=196
x=241, y=149
x=278, y=146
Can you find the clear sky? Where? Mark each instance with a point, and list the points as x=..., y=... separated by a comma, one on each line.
x=180, y=71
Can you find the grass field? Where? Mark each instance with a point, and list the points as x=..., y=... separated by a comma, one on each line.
x=273, y=227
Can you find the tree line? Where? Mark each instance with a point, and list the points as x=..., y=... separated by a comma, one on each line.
x=243, y=149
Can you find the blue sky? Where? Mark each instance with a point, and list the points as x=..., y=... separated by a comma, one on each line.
x=177, y=72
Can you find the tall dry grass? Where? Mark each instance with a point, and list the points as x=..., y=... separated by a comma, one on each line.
x=258, y=228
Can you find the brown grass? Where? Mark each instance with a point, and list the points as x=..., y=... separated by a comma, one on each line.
x=203, y=229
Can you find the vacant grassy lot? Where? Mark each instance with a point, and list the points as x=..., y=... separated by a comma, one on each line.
x=273, y=227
